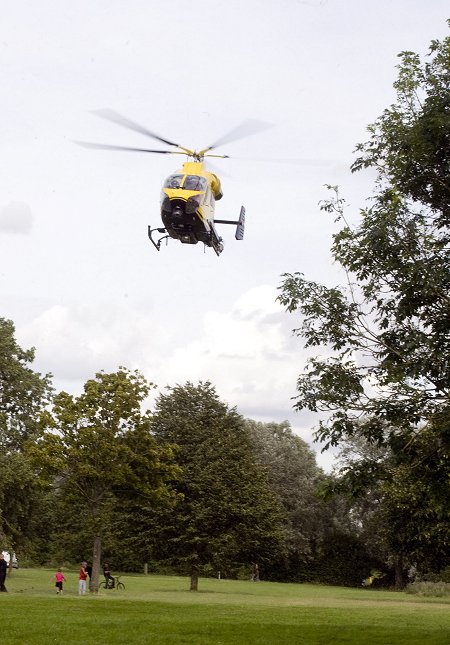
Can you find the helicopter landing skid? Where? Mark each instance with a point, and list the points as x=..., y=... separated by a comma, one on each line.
x=215, y=241
x=157, y=243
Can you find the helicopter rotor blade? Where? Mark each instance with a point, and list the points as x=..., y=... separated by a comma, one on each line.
x=218, y=156
x=290, y=161
x=115, y=117
x=105, y=146
x=245, y=129
x=211, y=167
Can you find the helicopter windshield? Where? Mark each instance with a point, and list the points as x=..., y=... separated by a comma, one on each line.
x=173, y=181
x=194, y=182
x=187, y=182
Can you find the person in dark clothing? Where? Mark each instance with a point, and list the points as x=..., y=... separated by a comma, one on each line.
x=108, y=577
x=3, y=569
x=88, y=568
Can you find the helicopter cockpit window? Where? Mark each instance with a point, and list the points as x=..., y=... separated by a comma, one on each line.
x=173, y=181
x=194, y=182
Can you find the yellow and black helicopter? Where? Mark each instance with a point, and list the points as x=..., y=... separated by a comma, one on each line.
x=188, y=195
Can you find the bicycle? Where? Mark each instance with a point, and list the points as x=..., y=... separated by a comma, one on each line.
x=116, y=584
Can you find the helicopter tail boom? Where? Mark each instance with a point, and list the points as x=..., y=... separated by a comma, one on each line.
x=240, y=224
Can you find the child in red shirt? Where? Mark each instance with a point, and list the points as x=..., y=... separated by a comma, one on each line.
x=59, y=581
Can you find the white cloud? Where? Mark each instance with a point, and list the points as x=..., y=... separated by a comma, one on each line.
x=74, y=342
x=16, y=217
x=248, y=353
x=245, y=352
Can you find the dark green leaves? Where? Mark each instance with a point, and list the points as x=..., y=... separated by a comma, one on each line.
x=385, y=335
x=227, y=515
x=383, y=373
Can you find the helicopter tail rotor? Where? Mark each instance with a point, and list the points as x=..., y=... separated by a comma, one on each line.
x=239, y=235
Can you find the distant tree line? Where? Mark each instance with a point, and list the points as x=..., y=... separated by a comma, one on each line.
x=190, y=488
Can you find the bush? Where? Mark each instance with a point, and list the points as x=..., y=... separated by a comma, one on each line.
x=442, y=576
x=438, y=589
x=344, y=561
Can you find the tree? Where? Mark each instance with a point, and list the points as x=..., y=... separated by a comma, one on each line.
x=99, y=451
x=405, y=499
x=322, y=540
x=295, y=478
x=384, y=372
x=24, y=394
x=227, y=516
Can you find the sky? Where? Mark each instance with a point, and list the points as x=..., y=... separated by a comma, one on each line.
x=78, y=275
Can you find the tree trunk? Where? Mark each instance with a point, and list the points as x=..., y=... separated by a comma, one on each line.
x=399, y=577
x=194, y=580
x=96, y=561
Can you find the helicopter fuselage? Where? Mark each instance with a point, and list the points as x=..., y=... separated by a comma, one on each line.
x=188, y=196
x=188, y=201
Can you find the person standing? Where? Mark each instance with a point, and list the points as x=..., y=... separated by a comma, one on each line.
x=89, y=572
x=82, y=580
x=3, y=568
x=59, y=581
x=255, y=574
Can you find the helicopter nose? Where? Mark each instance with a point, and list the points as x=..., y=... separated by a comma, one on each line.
x=193, y=204
x=172, y=206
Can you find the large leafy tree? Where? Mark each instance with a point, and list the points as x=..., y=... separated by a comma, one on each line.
x=24, y=395
x=384, y=370
x=322, y=537
x=404, y=514
x=227, y=517
x=295, y=478
x=99, y=452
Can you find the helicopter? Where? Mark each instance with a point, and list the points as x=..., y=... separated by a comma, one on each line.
x=189, y=194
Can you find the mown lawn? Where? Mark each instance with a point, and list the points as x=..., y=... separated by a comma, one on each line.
x=160, y=610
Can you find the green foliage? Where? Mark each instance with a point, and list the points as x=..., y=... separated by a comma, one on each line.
x=100, y=455
x=400, y=498
x=417, y=503
x=226, y=516
x=23, y=392
x=439, y=576
x=429, y=589
x=20, y=496
x=103, y=446
x=296, y=479
x=388, y=329
x=344, y=560
x=383, y=373
x=410, y=142
x=23, y=397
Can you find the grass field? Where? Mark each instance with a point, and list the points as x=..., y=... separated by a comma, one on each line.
x=161, y=611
